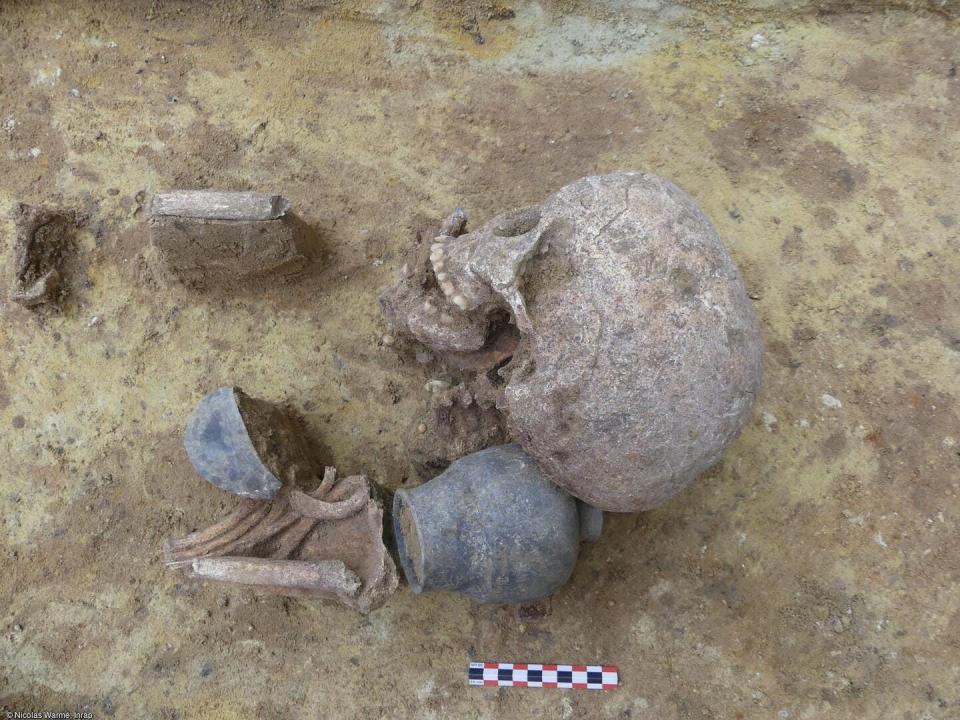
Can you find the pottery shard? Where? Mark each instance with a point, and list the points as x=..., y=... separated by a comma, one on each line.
x=211, y=238
x=42, y=237
x=244, y=445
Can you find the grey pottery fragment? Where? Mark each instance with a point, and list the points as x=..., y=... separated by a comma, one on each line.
x=490, y=527
x=640, y=356
x=243, y=445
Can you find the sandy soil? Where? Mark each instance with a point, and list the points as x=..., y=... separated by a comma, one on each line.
x=813, y=574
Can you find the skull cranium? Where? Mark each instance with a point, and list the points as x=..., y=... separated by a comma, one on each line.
x=639, y=357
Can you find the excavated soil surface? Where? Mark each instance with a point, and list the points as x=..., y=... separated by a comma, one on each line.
x=812, y=574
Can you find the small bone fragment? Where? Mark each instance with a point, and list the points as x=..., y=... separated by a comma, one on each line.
x=311, y=507
x=454, y=224
x=217, y=205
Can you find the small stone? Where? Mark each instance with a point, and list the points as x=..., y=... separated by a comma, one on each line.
x=387, y=340
x=436, y=386
x=830, y=401
x=421, y=428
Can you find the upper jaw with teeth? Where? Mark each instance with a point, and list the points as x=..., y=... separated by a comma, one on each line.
x=446, y=302
x=451, y=271
x=482, y=269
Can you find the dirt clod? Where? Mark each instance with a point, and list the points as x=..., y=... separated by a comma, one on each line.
x=42, y=239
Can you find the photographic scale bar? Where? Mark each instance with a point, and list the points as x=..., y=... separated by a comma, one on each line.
x=535, y=675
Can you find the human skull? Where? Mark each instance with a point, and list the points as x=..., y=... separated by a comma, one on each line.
x=639, y=355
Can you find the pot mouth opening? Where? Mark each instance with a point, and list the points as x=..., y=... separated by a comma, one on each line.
x=409, y=545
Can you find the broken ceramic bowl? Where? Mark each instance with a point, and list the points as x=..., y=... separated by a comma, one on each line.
x=245, y=446
x=491, y=527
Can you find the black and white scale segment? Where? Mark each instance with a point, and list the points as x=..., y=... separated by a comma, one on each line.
x=503, y=674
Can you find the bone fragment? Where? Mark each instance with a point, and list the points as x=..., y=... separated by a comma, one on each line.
x=219, y=205
x=318, y=577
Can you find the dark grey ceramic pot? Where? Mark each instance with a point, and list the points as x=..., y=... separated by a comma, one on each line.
x=491, y=527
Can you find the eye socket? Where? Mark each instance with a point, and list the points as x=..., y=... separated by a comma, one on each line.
x=517, y=223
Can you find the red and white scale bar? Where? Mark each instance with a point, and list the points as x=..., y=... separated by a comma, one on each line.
x=535, y=675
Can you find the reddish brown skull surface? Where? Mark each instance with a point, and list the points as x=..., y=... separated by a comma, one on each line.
x=639, y=356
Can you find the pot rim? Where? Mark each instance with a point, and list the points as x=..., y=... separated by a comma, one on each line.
x=401, y=500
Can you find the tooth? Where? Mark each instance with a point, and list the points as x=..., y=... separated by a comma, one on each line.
x=436, y=256
x=436, y=246
x=438, y=265
x=441, y=276
x=447, y=287
x=460, y=301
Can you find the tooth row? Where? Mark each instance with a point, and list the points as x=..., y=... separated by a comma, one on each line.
x=450, y=290
x=446, y=283
x=436, y=256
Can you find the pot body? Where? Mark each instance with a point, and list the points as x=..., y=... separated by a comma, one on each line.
x=490, y=527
